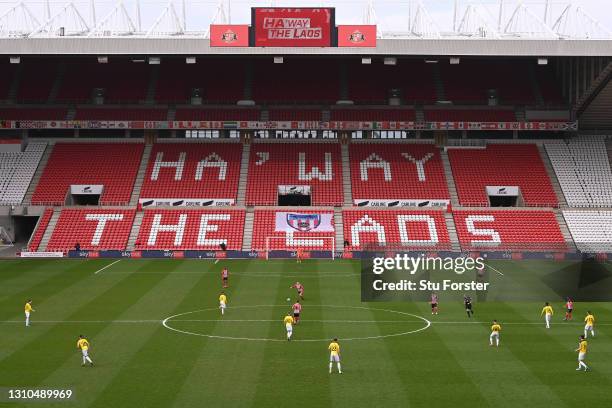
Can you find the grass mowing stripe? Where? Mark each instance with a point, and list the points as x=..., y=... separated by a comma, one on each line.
x=154, y=375
x=16, y=290
x=39, y=363
x=294, y=373
x=551, y=357
x=504, y=373
x=236, y=364
x=56, y=300
x=116, y=345
x=367, y=367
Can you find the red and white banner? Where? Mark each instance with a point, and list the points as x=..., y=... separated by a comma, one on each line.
x=292, y=27
x=303, y=222
x=229, y=35
x=356, y=36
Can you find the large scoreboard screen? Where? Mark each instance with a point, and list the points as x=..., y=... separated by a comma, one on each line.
x=292, y=27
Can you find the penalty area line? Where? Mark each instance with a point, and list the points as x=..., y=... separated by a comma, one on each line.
x=495, y=269
x=107, y=266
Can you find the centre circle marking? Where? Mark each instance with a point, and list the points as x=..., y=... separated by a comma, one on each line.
x=166, y=323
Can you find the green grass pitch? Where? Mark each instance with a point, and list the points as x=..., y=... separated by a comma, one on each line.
x=141, y=363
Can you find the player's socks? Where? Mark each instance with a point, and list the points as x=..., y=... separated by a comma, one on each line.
x=339, y=368
x=330, y=368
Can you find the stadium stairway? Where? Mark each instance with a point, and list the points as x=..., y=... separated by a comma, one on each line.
x=152, y=85
x=567, y=235
x=535, y=86
x=131, y=244
x=519, y=112
x=27, y=199
x=247, y=236
x=339, y=226
x=244, y=169
x=438, y=84
x=450, y=181
x=57, y=83
x=346, y=175
x=552, y=176
x=609, y=149
x=171, y=113
x=452, y=231
x=12, y=93
x=141, y=174
x=49, y=231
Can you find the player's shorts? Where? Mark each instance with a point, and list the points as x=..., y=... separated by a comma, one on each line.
x=296, y=314
x=588, y=327
x=468, y=306
x=27, y=314
x=289, y=327
x=301, y=292
x=581, y=356
x=222, y=305
x=569, y=310
x=434, y=305
x=85, y=353
x=224, y=279
x=494, y=335
x=334, y=357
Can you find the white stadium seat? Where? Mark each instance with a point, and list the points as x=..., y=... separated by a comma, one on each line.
x=582, y=167
x=16, y=172
x=591, y=230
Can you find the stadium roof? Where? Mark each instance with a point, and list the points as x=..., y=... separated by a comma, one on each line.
x=186, y=45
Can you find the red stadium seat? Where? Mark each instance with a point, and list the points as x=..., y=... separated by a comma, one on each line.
x=266, y=237
x=295, y=114
x=217, y=178
x=367, y=115
x=90, y=163
x=397, y=171
x=471, y=115
x=93, y=229
x=25, y=113
x=217, y=114
x=40, y=229
x=274, y=164
x=395, y=229
x=509, y=230
x=191, y=229
x=123, y=113
x=501, y=165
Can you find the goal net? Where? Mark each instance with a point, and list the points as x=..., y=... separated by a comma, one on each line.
x=291, y=243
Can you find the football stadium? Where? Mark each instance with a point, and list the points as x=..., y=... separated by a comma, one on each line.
x=305, y=204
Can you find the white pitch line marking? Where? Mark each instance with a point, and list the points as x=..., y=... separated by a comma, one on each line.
x=496, y=270
x=107, y=266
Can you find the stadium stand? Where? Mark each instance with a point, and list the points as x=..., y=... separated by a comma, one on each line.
x=17, y=170
x=191, y=229
x=190, y=113
x=471, y=115
x=591, y=230
x=501, y=165
x=315, y=164
x=397, y=171
x=273, y=83
x=36, y=81
x=509, y=230
x=121, y=113
x=294, y=114
x=121, y=81
x=216, y=80
x=89, y=163
x=264, y=226
x=548, y=85
x=582, y=167
x=365, y=115
x=41, y=227
x=190, y=170
x=7, y=71
x=478, y=77
x=92, y=229
x=406, y=229
x=31, y=113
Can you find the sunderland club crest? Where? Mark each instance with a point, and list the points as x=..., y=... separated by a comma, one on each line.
x=357, y=37
x=304, y=222
x=229, y=37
